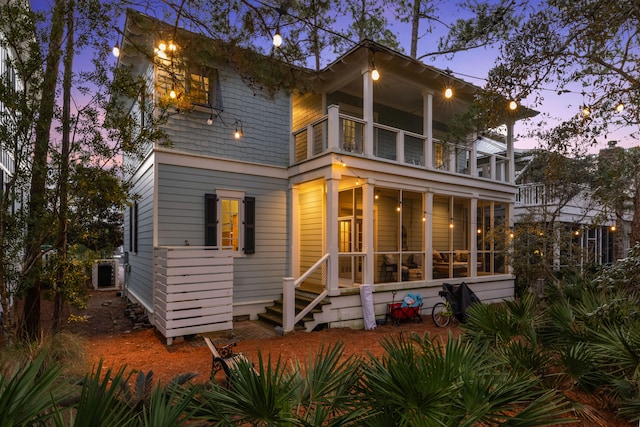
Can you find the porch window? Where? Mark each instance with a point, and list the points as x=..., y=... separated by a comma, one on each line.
x=398, y=235
x=451, y=236
x=492, y=237
x=351, y=261
x=230, y=221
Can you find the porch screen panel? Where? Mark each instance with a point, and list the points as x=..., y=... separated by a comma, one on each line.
x=387, y=234
x=301, y=146
x=413, y=150
x=412, y=235
x=385, y=146
x=311, y=207
x=319, y=138
x=501, y=236
x=441, y=239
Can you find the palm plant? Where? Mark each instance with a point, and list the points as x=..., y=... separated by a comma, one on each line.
x=420, y=382
x=28, y=394
x=100, y=402
x=262, y=397
x=169, y=407
x=326, y=389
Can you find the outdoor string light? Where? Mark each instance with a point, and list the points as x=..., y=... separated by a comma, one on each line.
x=277, y=38
x=116, y=50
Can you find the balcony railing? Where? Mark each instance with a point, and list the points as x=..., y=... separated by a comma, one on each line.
x=341, y=133
x=531, y=195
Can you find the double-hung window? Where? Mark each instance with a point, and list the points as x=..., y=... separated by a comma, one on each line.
x=230, y=221
x=203, y=87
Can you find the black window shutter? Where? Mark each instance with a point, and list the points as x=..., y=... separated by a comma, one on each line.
x=136, y=224
x=249, y=225
x=210, y=220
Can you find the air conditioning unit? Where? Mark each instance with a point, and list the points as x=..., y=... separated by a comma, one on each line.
x=104, y=274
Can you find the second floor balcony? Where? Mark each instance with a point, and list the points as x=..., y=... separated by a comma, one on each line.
x=336, y=132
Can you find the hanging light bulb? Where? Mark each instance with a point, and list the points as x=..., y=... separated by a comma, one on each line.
x=237, y=134
x=613, y=228
x=620, y=107
x=277, y=39
x=210, y=120
x=448, y=93
x=586, y=111
x=172, y=94
x=172, y=47
x=162, y=46
x=513, y=105
x=116, y=50
x=375, y=75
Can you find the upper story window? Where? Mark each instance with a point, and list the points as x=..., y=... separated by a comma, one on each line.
x=203, y=87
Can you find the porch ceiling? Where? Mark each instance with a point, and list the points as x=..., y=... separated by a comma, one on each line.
x=403, y=81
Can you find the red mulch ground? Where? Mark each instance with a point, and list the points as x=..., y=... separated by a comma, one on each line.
x=110, y=337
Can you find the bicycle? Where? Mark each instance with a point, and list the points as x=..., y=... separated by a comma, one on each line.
x=442, y=312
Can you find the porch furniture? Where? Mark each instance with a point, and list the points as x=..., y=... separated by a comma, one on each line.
x=225, y=359
x=460, y=264
x=389, y=269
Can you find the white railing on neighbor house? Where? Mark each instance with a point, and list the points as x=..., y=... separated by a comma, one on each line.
x=531, y=195
x=342, y=133
x=319, y=270
x=192, y=290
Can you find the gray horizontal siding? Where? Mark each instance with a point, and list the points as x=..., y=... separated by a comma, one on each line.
x=181, y=193
x=140, y=278
x=266, y=124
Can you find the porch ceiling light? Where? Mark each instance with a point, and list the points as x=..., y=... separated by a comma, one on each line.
x=448, y=92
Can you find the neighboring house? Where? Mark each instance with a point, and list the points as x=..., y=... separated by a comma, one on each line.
x=9, y=84
x=587, y=235
x=352, y=183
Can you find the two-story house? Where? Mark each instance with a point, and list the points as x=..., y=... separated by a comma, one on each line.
x=352, y=183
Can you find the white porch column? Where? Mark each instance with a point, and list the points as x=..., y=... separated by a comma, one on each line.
x=367, y=112
x=427, y=126
x=333, y=127
x=473, y=236
x=510, y=175
x=295, y=230
x=331, y=232
x=368, y=201
x=428, y=235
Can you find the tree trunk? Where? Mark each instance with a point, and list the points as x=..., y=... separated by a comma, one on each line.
x=37, y=229
x=415, y=26
x=61, y=241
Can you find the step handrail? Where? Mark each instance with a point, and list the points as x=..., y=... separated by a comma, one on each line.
x=289, y=317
